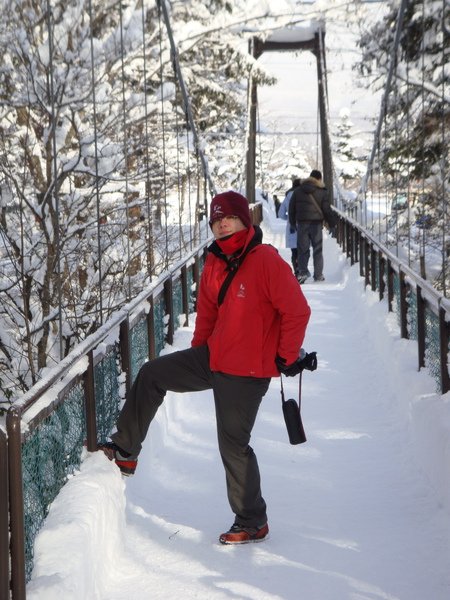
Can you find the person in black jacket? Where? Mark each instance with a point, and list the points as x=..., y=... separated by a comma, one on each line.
x=308, y=209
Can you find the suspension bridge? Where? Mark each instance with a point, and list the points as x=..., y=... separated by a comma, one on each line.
x=114, y=218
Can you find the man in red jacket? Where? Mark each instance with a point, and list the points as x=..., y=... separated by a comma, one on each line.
x=250, y=325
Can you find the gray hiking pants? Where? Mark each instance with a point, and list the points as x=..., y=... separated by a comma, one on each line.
x=237, y=401
x=309, y=234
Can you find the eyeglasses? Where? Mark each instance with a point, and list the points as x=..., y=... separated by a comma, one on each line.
x=225, y=218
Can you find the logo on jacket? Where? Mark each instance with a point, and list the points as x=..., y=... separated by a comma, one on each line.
x=241, y=291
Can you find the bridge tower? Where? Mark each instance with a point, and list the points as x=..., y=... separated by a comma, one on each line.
x=298, y=38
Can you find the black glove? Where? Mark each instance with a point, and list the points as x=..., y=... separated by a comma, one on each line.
x=292, y=229
x=306, y=361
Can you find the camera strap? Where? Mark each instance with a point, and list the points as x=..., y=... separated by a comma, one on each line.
x=299, y=390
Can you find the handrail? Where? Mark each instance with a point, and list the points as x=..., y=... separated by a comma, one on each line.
x=432, y=293
x=377, y=266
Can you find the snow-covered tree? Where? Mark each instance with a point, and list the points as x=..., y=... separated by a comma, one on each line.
x=419, y=98
x=413, y=154
x=93, y=141
x=348, y=161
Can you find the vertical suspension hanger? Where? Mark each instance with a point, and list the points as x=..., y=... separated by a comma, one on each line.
x=163, y=132
x=197, y=197
x=179, y=187
x=125, y=151
x=407, y=149
x=148, y=203
x=445, y=160
x=99, y=308
x=55, y=176
x=260, y=150
x=378, y=171
x=422, y=148
x=384, y=155
x=188, y=168
x=396, y=164
x=317, y=131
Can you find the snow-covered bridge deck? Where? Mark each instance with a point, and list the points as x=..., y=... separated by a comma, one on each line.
x=361, y=511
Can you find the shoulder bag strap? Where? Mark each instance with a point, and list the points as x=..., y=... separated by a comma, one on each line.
x=316, y=204
x=233, y=269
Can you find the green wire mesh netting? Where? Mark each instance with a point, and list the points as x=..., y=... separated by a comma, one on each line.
x=138, y=346
x=191, y=290
x=178, y=310
x=432, y=333
x=396, y=298
x=159, y=324
x=411, y=317
x=432, y=347
x=377, y=271
x=50, y=453
x=107, y=393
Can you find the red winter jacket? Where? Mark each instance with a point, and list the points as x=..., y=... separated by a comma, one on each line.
x=264, y=313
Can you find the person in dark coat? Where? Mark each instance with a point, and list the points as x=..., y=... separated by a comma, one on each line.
x=308, y=209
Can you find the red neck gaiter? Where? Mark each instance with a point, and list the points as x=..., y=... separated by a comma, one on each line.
x=232, y=243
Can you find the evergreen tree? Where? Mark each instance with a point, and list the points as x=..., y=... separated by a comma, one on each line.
x=349, y=165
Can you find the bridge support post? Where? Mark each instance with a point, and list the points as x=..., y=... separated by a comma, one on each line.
x=327, y=166
x=250, y=179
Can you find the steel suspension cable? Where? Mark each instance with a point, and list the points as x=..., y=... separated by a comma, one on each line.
x=187, y=104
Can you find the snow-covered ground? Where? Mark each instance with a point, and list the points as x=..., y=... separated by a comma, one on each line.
x=359, y=512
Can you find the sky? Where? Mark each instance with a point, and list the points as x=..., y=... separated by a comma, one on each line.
x=361, y=511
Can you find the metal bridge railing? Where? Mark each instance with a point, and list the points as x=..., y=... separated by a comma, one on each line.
x=75, y=408
x=423, y=313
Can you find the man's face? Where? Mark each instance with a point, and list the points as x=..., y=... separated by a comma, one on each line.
x=226, y=226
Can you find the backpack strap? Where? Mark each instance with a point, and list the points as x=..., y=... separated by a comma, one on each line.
x=233, y=267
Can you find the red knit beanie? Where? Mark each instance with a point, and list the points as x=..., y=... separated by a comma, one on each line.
x=230, y=203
